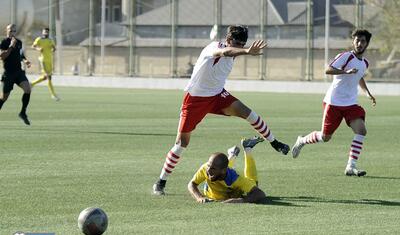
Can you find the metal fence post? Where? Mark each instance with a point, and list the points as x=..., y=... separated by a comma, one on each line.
x=132, y=37
x=309, y=43
x=91, y=57
x=263, y=29
x=174, y=19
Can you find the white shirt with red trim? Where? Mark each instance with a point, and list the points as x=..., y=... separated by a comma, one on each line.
x=344, y=88
x=209, y=73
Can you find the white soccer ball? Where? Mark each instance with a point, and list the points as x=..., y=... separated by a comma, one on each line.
x=92, y=221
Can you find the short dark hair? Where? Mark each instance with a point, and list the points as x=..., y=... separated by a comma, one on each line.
x=361, y=32
x=220, y=160
x=46, y=28
x=237, y=32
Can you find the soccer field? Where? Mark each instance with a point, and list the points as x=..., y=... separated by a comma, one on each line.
x=105, y=148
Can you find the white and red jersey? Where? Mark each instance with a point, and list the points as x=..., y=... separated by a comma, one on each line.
x=344, y=88
x=210, y=73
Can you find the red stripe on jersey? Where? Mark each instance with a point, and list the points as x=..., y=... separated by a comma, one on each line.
x=366, y=62
x=357, y=142
x=337, y=57
x=354, y=151
x=168, y=171
x=354, y=157
x=216, y=60
x=348, y=61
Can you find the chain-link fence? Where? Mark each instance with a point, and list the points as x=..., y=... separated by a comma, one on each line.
x=163, y=38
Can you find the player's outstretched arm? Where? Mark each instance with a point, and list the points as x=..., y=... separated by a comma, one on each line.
x=254, y=196
x=255, y=49
x=196, y=194
x=334, y=71
x=364, y=87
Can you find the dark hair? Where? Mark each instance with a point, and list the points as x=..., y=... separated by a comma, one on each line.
x=237, y=32
x=220, y=160
x=361, y=32
x=46, y=28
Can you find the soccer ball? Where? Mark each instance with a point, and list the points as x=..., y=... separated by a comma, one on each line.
x=92, y=221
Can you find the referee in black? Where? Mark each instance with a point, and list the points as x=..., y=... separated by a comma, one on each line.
x=11, y=52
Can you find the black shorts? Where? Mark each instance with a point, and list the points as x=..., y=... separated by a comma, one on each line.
x=8, y=79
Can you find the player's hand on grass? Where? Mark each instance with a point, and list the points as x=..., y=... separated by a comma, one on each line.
x=204, y=200
x=350, y=71
x=256, y=47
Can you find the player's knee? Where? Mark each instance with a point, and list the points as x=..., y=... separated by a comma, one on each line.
x=362, y=132
x=326, y=138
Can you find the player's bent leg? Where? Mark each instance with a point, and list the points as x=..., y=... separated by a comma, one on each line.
x=3, y=99
x=171, y=160
x=233, y=153
x=250, y=169
x=312, y=138
x=40, y=79
x=239, y=109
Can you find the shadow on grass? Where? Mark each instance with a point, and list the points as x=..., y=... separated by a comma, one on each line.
x=382, y=177
x=101, y=132
x=277, y=201
x=326, y=200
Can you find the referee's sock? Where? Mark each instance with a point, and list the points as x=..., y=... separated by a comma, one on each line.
x=25, y=101
x=1, y=103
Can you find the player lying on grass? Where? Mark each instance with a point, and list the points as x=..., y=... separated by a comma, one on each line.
x=223, y=183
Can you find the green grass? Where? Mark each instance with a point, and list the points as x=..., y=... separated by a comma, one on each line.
x=105, y=148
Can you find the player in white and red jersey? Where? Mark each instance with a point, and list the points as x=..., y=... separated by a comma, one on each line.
x=205, y=94
x=348, y=70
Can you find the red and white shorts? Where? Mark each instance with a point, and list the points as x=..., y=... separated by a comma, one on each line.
x=195, y=108
x=333, y=116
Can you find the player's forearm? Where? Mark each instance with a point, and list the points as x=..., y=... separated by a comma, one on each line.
x=234, y=200
x=194, y=191
x=364, y=87
x=334, y=71
x=5, y=53
x=231, y=52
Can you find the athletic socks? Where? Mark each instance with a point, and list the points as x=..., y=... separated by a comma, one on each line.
x=312, y=138
x=171, y=161
x=25, y=101
x=260, y=126
x=355, y=150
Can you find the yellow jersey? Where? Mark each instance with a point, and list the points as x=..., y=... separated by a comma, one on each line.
x=47, y=45
x=233, y=186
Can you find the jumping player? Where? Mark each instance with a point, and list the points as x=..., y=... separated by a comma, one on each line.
x=348, y=70
x=205, y=94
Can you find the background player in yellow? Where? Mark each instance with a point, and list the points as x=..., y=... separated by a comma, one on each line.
x=46, y=47
x=223, y=183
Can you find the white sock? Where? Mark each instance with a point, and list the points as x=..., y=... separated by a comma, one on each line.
x=171, y=161
x=355, y=150
x=312, y=138
x=260, y=126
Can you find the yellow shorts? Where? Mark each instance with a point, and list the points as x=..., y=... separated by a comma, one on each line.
x=47, y=67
